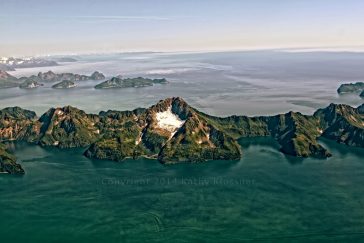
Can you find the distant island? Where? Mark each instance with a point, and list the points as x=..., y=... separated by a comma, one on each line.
x=171, y=131
x=64, y=59
x=34, y=81
x=67, y=80
x=11, y=63
x=351, y=88
x=65, y=84
x=57, y=77
x=119, y=82
x=30, y=84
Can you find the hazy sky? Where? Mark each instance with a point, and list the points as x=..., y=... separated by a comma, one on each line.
x=30, y=27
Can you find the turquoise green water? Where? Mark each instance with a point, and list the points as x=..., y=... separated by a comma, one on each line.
x=265, y=196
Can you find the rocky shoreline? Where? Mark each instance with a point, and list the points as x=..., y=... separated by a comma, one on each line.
x=174, y=132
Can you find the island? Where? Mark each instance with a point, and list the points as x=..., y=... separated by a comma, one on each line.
x=34, y=81
x=351, y=88
x=171, y=131
x=119, y=82
x=30, y=84
x=65, y=84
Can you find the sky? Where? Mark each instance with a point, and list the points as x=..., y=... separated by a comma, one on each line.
x=42, y=27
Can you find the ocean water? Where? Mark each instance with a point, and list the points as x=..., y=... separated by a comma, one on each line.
x=266, y=196
x=249, y=83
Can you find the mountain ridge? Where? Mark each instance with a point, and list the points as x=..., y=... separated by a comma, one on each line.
x=172, y=131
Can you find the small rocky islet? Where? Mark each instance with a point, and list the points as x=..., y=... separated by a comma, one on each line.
x=119, y=82
x=171, y=131
x=65, y=84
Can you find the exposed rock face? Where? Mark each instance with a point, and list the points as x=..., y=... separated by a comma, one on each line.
x=351, y=88
x=362, y=94
x=8, y=162
x=173, y=132
x=118, y=82
x=65, y=84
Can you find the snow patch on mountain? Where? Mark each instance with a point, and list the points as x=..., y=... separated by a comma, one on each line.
x=169, y=121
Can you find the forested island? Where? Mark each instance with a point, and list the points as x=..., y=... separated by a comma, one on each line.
x=171, y=131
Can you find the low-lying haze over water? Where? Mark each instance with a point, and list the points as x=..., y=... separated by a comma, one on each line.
x=264, y=196
x=219, y=83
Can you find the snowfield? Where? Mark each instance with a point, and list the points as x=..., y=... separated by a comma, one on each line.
x=169, y=121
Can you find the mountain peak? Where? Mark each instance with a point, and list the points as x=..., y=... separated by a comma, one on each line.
x=176, y=104
x=5, y=75
x=17, y=113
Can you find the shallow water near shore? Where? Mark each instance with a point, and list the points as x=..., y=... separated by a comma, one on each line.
x=265, y=196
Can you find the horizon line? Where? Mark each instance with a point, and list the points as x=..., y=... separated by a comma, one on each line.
x=349, y=49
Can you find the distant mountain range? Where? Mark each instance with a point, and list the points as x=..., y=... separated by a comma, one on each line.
x=11, y=63
x=173, y=132
x=67, y=80
x=34, y=81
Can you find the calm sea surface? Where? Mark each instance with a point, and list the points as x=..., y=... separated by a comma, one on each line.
x=266, y=196
x=250, y=83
